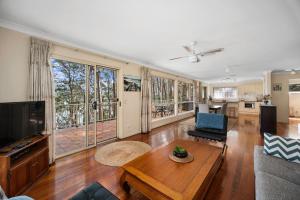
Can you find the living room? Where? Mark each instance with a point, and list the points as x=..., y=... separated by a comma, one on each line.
x=115, y=95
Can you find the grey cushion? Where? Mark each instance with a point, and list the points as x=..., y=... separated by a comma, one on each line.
x=269, y=187
x=276, y=166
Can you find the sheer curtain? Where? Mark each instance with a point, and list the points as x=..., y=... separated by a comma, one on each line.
x=146, y=100
x=197, y=91
x=41, y=84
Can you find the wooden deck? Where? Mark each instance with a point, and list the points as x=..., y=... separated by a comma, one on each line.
x=71, y=139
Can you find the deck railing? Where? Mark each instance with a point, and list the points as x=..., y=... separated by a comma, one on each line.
x=74, y=115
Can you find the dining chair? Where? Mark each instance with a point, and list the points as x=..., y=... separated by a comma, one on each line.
x=224, y=109
x=203, y=108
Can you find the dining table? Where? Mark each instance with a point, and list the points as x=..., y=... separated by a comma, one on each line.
x=215, y=108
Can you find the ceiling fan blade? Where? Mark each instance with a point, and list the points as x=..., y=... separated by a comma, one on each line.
x=188, y=49
x=213, y=51
x=178, y=57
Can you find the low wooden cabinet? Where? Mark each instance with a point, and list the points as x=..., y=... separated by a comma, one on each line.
x=24, y=165
x=268, y=119
x=40, y=164
x=19, y=178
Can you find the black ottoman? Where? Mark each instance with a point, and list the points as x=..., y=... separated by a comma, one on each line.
x=94, y=192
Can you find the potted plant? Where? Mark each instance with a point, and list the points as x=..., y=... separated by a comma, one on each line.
x=266, y=98
x=180, y=152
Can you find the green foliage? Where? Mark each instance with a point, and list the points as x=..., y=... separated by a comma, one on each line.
x=162, y=90
x=179, y=149
x=70, y=92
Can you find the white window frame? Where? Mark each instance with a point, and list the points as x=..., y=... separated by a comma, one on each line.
x=224, y=96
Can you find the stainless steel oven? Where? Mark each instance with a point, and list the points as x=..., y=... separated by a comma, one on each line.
x=249, y=105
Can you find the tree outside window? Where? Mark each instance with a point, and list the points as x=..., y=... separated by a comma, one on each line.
x=185, y=96
x=163, y=104
x=69, y=79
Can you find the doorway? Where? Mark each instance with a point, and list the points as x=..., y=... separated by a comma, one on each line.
x=86, y=105
x=294, y=97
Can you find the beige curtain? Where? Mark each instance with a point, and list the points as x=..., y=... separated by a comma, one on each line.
x=41, y=84
x=146, y=100
x=200, y=93
x=197, y=91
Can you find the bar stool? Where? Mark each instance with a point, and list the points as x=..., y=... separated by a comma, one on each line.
x=231, y=112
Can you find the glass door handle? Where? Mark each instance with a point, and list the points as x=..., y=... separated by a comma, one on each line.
x=94, y=105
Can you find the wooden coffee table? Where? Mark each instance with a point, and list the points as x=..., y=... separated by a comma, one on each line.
x=157, y=177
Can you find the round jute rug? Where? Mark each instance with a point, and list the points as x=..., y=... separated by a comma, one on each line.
x=120, y=153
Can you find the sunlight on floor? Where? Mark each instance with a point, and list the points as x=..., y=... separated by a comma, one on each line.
x=296, y=123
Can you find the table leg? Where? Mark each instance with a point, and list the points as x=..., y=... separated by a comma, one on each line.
x=126, y=187
x=124, y=183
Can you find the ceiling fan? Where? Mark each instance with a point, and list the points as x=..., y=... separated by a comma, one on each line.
x=292, y=71
x=194, y=53
x=230, y=77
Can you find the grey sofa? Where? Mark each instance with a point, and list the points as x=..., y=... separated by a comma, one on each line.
x=275, y=178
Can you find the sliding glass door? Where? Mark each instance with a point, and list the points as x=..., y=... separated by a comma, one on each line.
x=86, y=105
x=91, y=107
x=107, y=101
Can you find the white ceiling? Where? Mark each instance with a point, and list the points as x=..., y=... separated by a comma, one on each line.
x=257, y=35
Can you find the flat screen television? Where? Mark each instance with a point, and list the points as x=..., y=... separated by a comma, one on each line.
x=20, y=120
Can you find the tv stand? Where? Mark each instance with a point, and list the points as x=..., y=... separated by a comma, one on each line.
x=22, y=163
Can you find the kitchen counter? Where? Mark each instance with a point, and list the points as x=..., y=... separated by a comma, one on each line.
x=249, y=107
x=239, y=107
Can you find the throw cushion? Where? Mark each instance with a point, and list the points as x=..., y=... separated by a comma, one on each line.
x=210, y=120
x=286, y=148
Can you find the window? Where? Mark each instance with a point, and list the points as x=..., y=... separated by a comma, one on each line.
x=185, y=96
x=225, y=93
x=162, y=97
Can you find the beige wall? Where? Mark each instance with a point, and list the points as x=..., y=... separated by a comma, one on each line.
x=281, y=98
x=14, y=65
x=251, y=88
x=14, y=60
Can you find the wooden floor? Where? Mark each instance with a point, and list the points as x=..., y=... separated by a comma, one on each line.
x=235, y=179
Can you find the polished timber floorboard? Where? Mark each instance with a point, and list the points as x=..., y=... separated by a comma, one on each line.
x=235, y=179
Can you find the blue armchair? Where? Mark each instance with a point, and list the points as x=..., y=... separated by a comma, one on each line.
x=211, y=126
